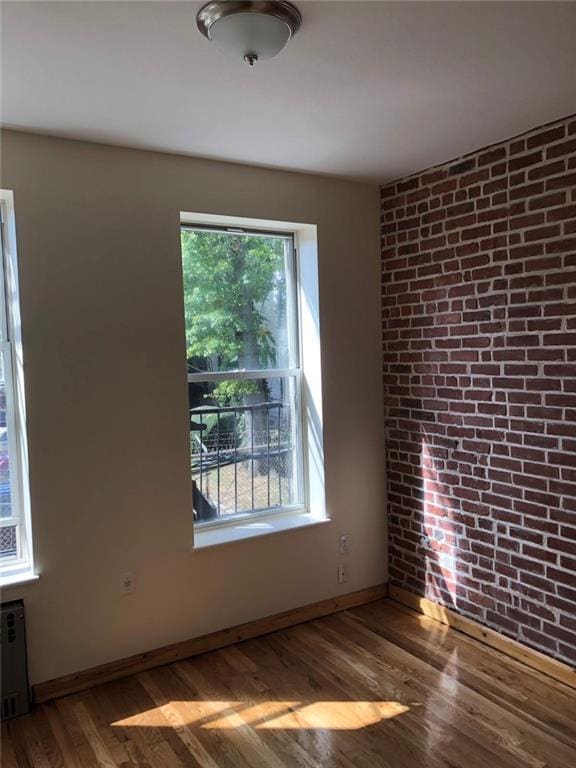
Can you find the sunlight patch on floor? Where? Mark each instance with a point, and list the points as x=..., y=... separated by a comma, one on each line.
x=286, y=715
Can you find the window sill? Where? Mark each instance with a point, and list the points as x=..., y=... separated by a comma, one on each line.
x=249, y=529
x=17, y=579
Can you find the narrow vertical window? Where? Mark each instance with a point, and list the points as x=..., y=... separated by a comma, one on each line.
x=244, y=376
x=15, y=533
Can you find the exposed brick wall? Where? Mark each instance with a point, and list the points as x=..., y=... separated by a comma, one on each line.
x=479, y=332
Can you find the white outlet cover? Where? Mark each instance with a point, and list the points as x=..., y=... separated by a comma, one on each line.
x=345, y=544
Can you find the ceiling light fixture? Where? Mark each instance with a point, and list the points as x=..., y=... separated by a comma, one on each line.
x=249, y=31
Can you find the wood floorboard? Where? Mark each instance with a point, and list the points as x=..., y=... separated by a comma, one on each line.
x=371, y=687
x=513, y=685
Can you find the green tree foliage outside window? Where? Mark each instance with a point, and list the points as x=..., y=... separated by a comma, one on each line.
x=235, y=306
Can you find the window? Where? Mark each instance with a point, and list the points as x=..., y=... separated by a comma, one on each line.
x=15, y=533
x=244, y=372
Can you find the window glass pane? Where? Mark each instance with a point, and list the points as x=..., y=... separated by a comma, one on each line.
x=244, y=446
x=8, y=532
x=237, y=301
x=8, y=542
x=5, y=493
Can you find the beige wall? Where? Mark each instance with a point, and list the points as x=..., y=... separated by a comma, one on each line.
x=98, y=242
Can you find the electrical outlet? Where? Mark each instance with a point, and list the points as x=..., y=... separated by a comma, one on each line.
x=342, y=574
x=345, y=544
x=127, y=583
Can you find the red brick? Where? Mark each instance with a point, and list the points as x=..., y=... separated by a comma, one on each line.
x=544, y=171
x=558, y=214
x=492, y=156
x=555, y=310
x=530, y=190
x=562, y=246
x=406, y=185
x=524, y=161
x=542, y=233
x=566, y=148
x=434, y=176
x=547, y=201
x=546, y=137
x=474, y=233
x=558, y=182
x=517, y=146
x=479, y=335
x=530, y=220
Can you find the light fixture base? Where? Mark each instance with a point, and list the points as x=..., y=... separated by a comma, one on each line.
x=262, y=35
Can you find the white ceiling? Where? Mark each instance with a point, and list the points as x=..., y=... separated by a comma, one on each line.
x=369, y=90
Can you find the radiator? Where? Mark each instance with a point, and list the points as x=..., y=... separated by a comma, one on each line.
x=15, y=692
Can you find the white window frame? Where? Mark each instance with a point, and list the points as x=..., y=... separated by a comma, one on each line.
x=306, y=369
x=21, y=567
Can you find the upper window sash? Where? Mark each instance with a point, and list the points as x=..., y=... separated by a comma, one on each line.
x=9, y=295
x=4, y=329
x=289, y=361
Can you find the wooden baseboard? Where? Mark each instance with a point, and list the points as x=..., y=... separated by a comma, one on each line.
x=80, y=681
x=531, y=658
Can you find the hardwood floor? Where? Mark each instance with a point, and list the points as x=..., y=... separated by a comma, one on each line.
x=373, y=687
